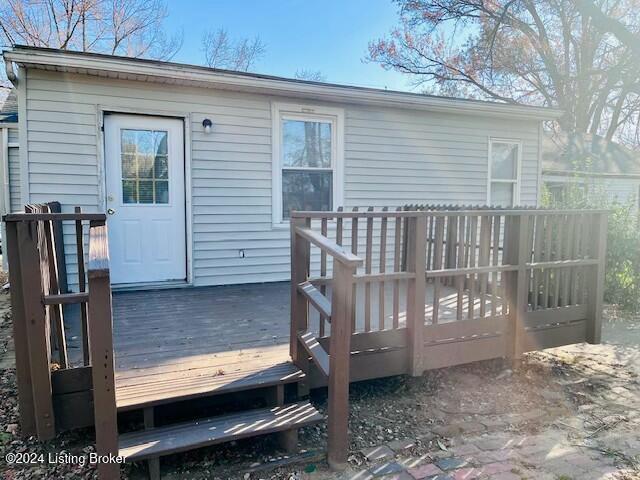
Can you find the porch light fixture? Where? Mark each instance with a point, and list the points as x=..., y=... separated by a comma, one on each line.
x=208, y=125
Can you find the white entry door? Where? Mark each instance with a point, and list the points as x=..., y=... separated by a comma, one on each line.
x=145, y=198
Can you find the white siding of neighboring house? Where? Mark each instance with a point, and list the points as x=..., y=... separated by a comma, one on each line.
x=392, y=157
x=14, y=172
x=619, y=189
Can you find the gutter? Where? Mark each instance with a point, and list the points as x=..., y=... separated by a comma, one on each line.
x=572, y=173
x=175, y=73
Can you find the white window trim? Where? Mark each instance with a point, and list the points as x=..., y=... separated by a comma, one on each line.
x=305, y=112
x=518, y=179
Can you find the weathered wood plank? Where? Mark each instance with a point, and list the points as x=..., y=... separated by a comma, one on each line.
x=37, y=329
x=20, y=333
x=316, y=351
x=313, y=296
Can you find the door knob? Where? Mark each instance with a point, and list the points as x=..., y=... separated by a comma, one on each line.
x=111, y=211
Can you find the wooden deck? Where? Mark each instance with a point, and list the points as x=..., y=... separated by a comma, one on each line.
x=189, y=342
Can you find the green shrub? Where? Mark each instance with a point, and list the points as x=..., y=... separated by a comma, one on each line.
x=622, y=273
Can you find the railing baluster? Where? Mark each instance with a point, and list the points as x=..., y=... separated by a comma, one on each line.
x=397, y=260
x=437, y=265
x=460, y=264
x=82, y=287
x=383, y=268
x=354, y=250
x=367, y=269
x=323, y=272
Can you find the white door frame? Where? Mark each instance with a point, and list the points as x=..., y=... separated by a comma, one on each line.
x=101, y=110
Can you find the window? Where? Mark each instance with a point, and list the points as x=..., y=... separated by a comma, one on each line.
x=504, y=173
x=307, y=159
x=145, y=166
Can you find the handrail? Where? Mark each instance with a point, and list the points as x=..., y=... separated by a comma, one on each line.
x=19, y=217
x=439, y=213
x=332, y=248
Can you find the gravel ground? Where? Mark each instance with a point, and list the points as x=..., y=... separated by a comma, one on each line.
x=549, y=388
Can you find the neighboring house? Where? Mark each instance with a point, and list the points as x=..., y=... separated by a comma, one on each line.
x=9, y=158
x=10, y=199
x=198, y=167
x=592, y=163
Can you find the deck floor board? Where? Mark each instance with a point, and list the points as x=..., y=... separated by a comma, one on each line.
x=197, y=341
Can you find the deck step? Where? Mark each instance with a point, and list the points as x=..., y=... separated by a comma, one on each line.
x=162, y=388
x=160, y=441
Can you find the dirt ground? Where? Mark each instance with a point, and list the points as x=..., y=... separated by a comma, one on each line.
x=583, y=396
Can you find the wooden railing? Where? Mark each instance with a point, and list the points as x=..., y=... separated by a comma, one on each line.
x=440, y=287
x=338, y=312
x=47, y=377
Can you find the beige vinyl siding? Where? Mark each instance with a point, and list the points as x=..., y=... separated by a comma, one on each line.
x=392, y=157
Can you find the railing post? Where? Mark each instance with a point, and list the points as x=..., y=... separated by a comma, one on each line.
x=37, y=328
x=596, y=280
x=300, y=252
x=340, y=358
x=101, y=347
x=20, y=336
x=416, y=291
x=519, y=252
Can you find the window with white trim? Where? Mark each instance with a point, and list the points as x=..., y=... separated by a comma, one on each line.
x=504, y=172
x=307, y=160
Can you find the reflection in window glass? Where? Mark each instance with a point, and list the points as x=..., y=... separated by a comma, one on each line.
x=306, y=190
x=504, y=160
x=504, y=179
x=145, y=166
x=307, y=165
x=502, y=194
x=306, y=144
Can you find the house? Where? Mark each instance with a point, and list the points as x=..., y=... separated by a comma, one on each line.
x=9, y=159
x=188, y=176
x=198, y=168
x=593, y=163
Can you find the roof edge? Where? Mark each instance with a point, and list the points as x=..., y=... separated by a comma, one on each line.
x=94, y=64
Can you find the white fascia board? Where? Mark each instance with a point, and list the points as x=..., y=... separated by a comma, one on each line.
x=174, y=73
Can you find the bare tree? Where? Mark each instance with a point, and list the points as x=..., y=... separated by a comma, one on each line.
x=118, y=27
x=523, y=51
x=610, y=24
x=221, y=51
x=312, y=75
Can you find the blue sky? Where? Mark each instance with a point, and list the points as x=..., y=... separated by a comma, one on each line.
x=328, y=35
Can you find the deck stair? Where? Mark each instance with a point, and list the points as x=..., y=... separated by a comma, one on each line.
x=170, y=387
x=166, y=387
x=156, y=442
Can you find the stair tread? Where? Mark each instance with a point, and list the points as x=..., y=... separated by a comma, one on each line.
x=155, y=390
x=198, y=433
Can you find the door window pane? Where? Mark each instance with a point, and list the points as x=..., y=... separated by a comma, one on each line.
x=306, y=190
x=502, y=194
x=306, y=144
x=504, y=160
x=145, y=166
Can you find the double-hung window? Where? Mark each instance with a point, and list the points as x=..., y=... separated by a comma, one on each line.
x=504, y=172
x=307, y=160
